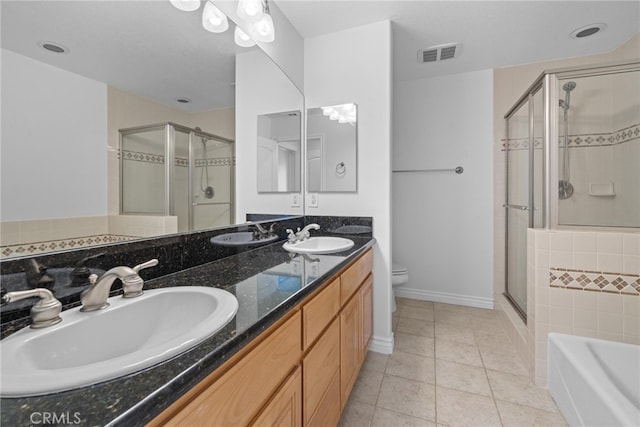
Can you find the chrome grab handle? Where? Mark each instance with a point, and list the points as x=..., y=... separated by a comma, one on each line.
x=519, y=207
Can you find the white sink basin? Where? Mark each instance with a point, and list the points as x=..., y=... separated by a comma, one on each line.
x=242, y=238
x=128, y=336
x=319, y=245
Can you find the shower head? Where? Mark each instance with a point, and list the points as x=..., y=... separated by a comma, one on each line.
x=567, y=87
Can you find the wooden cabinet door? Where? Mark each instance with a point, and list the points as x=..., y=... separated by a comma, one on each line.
x=317, y=313
x=353, y=276
x=285, y=408
x=366, y=295
x=319, y=367
x=350, y=343
x=239, y=394
x=329, y=410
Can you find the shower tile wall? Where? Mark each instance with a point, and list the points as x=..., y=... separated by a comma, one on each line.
x=581, y=283
x=509, y=85
x=604, y=152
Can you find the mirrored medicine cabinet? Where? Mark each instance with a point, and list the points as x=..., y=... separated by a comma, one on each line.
x=279, y=152
x=332, y=148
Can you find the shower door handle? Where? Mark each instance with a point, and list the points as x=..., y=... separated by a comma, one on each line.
x=518, y=207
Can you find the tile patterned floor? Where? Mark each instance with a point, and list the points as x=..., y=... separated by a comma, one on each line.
x=451, y=366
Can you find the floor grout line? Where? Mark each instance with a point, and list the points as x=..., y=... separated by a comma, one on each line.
x=477, y=331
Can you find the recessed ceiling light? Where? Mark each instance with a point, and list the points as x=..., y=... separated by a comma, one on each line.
x=53, y=47
x=587, y=30
x=183, y=100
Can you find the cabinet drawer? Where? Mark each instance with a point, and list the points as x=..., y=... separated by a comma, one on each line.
x=319, y=368
x=237, y=396
x=351, y=279
x=317, y=313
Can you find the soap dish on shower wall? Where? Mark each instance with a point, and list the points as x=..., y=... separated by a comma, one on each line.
x=601, y=190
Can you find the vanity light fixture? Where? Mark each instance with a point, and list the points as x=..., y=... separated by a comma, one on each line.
x=213, y=19
x=255, y=13
x=344, y=113
x=250, y=10
x=263, y=29
x=242, y=39
x=186, y=5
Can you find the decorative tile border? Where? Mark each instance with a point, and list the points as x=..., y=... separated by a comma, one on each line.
x=137, y=156
x=33, y=248
x=216, y=161
x=596, y=281
x=621, y=136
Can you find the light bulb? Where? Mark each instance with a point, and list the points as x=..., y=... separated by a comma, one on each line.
x=250, y=10
x=326, y=111
x=186, y=5
x=242, y=39
x=263, y=30
x=213, y=19
x=334, y=115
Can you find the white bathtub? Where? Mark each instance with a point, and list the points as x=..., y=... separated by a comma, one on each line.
x=595, y=382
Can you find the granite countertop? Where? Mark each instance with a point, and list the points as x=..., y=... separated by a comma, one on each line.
x=267, y=282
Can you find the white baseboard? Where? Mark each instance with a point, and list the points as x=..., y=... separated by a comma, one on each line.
x=381, y=345
x=421, y=294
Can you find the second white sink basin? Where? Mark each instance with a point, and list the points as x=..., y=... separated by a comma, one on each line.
x=243, y=238
x=319, y=245
x=126, y=337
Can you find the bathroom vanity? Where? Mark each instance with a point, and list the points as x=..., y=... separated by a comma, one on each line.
x=291, y=354
x=299, y=371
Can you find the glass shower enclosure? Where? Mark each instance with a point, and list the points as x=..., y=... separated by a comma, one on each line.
x=172, y=170
x=572, y=150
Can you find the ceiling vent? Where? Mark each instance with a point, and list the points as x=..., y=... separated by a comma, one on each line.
x=439, y=53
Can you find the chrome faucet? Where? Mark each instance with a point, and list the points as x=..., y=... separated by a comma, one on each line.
x=301, y=235
x=95, y=296
x=46, y=312
x=262, y=232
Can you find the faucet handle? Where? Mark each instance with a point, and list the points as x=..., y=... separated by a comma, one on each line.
x=150, y=263
x=132, y=286
x=46, y=312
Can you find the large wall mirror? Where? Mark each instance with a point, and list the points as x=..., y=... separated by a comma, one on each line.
x=75, y=73
x=332, y=148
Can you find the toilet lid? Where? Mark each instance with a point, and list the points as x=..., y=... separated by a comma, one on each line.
x=398, y=269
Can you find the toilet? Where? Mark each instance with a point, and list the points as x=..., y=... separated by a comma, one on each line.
x=399, y=276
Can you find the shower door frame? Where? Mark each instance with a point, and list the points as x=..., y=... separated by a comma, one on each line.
x=169, y=129
x=232, y=177
x=528, y=100
x=549, y=82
